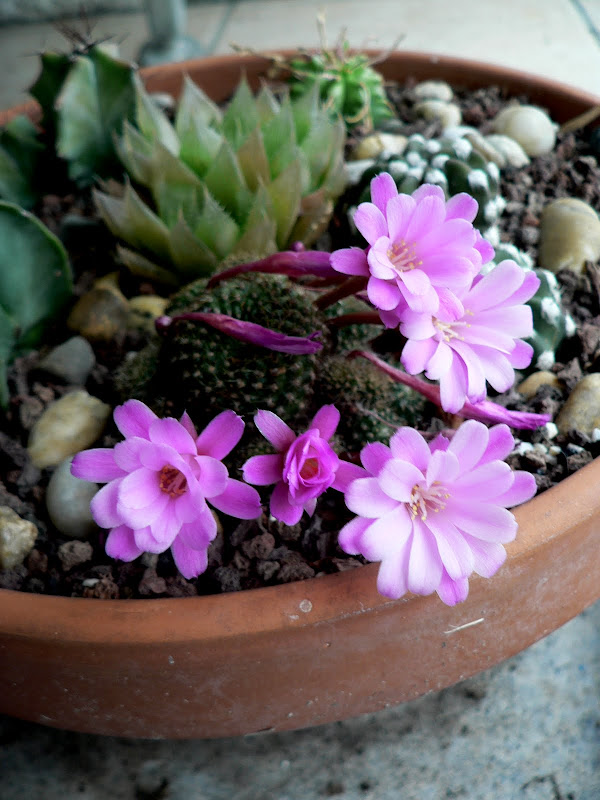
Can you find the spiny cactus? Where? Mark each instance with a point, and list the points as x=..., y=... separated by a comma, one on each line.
x=260, y=175
x=371, y=406
x=347, y=83
x=449, y=162
x=204, y=371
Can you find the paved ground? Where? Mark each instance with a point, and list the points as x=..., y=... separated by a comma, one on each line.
x=528, y=729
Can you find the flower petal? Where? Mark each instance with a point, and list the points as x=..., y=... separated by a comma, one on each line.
x=213, y=475
x=488, y=556
x=383, y=189
x=523, y=488
x=482, y=520
x=274, y=429
x=452, y=591
x=345, y=474
x=140, y=488
x=189, y=562
x=469, y=444
x=104, y=505
x=263, y=470
x=457, y=557
x=393, y=574
x=398, y=478
x=281, y=507
x=383, y=294
x=350, y=261
x=134, y=418
x=407, y=444
x=326, y=421
x=220, y=435
x=121, y=544
x=97, y=465
x=399, y=212
x=238, y=500
x=388, y=535
x=366, y=498
x=172, y=433
x=374, y=456
x=350, y=536
x=424, y=563
x=370, y=222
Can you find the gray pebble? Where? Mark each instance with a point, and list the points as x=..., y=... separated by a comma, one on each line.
x=68, y=502
x=17, y=537
x=71, y=361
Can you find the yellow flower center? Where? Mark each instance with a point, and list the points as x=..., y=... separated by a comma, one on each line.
x=423, y=500
x=402, y=255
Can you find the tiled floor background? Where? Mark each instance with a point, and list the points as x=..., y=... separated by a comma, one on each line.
x=526, y=730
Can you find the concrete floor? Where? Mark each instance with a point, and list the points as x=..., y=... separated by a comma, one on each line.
x=529, y=728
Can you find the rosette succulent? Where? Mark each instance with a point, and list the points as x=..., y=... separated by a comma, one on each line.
x=251, y=179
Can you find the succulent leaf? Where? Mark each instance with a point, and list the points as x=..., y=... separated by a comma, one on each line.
x=97, y=96
x=19, y=161
x=35, y=283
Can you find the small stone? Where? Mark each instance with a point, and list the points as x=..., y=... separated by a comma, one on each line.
x=74, y=553
x=532, y=383
x=260, y=546
x=531, y=127
x=68, y=502
x=67, y=426
x=355, y=170
x=375, y=144
x=447, y=113
x=143, y=311
x=17, y=537
x=434, y=90
x=105, y=589
x=569, y=235
x=71, y=361
x=582, y=409
x=484, y=147
x=99, y=314
x=510, y=150
x=152, y=583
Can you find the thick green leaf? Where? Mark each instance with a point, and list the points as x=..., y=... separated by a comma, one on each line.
x=266, y=104
x=226, y=183
x=241, y=117
x=305, y=110
x=140, y=265
x=135, y=153
x=46, y=88
x=216, y=228
x=19, y=161
x=285, y=196
x=96, y=99
x=279, y=136
x=195, y=106
x=253, y=161
x=193, y=258
x=151, y=121
x=258, y=237
x=199, y=145
x=35, y=282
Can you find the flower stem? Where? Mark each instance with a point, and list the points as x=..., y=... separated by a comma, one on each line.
x=345, y=289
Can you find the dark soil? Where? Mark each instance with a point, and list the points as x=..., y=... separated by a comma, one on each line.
x=257, y=553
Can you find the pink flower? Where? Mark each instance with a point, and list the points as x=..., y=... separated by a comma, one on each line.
x=475, y=337
x=304, y=467
x=418, y=243
x=433, y=514
x=158, y=481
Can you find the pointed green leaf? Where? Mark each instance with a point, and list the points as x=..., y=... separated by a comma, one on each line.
x=199, y=144
x=285, y=200
x=318, y=148
x=266, y=105
x=140, y=265
x=226, y=183
x=253, y=162
x=151, y=121
x=258, y=237
x=193, y=258
x=241, y=117
x=14, y=185
x=305, y=111
x=215, y=227
x=195, y=109
x=280, y=140
x=35, y=282
x=47, y=86
x=135, y=153
x=130, y=219
x=96, y=98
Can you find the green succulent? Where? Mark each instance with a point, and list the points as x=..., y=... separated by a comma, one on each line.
x=20, y=151
x=449, y=162
x=35, y=284
x=347, y=84
x=254, y=178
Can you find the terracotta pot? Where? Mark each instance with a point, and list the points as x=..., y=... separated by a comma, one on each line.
x=311, y=652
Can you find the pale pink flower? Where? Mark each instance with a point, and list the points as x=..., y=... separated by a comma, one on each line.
x=432, y=514
x=158, y=481
x=418, y=243
x=475, y=337
x=304, y=467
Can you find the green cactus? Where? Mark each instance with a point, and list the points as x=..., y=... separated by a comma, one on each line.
x=551, y=324
x=347, y=83
x=204, y=371
x=370, y=404
x=253, y=179
x=449, y=162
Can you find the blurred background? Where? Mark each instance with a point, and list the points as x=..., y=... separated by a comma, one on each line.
x=528, y=729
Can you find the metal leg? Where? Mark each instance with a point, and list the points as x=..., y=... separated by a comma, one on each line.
x=167, y=22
